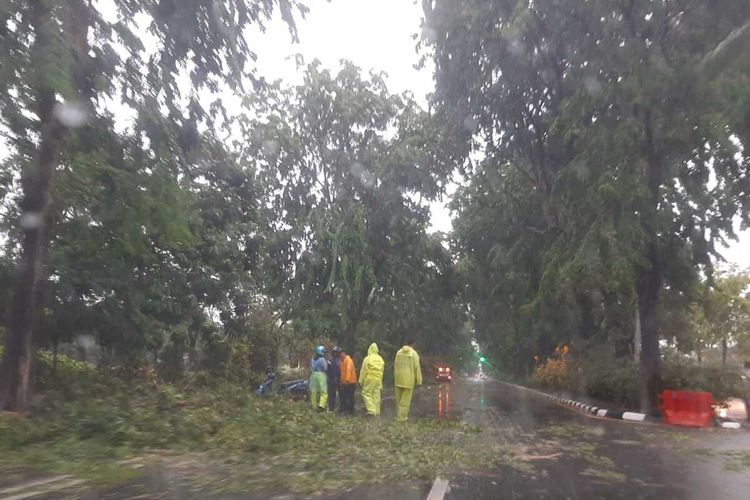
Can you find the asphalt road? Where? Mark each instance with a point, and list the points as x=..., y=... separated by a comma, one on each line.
x=560, y=453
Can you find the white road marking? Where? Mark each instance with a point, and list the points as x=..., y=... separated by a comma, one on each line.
x=439, y=489
x=32, y=484
x=57, y=486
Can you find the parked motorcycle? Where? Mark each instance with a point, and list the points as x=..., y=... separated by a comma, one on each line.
x=296, y=389
x=266, y=388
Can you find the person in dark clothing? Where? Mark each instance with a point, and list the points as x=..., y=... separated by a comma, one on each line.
x=334, y=378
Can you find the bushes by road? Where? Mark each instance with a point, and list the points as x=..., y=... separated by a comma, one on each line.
x=607, y=379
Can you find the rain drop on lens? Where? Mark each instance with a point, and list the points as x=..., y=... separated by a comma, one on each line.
x=470, y=123
x=72, y=114
x=356, y=169
x=592, y=85
x=30, y=221
x=429, y=34
x=516, y=46
x=270, y=147
x=368, y=179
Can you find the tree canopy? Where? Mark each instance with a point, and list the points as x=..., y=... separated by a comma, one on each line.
x=611, y=164
x=163, y=201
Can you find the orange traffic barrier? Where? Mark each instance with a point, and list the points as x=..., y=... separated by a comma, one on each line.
x=688, y=408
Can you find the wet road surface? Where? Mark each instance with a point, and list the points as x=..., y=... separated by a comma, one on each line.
x=546, y=451
x=560, y=453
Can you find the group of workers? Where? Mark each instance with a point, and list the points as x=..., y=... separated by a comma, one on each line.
x=337, y=377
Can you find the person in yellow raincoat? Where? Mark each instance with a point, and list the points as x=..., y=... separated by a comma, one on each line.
x=371, y=379
x=406, y=374
x=318, y=382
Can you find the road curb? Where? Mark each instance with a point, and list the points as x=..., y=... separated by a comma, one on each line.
x=596, y=411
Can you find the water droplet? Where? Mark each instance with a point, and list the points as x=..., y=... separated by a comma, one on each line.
x=597, y=431
x=470, y=123
x=429, y=34
x=592, y=85
x=85, y=341
x=516, y=46
x=360, y=172
x=270, y=147
x=30, y=221
x=356, y=169
x=72, y=114
x=368, y=179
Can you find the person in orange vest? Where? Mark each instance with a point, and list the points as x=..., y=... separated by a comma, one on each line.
x=348, y=383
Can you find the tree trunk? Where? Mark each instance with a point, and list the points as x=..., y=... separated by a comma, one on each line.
x=637, y=343
x=14, y=372
x=648, y=294
x=55, y=345
x=650, y=278
x=588, y=309
x=16, y=363
x=724, y=351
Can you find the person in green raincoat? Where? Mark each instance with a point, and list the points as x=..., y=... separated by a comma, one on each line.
x=371, y=379
x=406, y=374
x=318, y=382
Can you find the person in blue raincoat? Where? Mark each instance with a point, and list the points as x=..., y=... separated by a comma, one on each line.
x=318, y=383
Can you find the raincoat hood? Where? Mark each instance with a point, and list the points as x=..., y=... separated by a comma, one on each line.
x=373, y=349
x=407, y=349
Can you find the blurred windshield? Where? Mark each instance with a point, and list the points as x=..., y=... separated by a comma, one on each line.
x=448, y=248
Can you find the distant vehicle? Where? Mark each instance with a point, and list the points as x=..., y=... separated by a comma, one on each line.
x=444, y=374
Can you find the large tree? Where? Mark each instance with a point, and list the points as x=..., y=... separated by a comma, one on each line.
x=348, y=172
x=613, y=143
x=63, y=64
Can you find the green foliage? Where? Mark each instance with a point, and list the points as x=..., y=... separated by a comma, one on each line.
x=598, y=374
x=150, y=229
x=604, y=378
x=304, y=457
x=723, y=383
x=86, y=426
x=172, y=246
x=608, y=166
x=715, y=317
x=344, y=163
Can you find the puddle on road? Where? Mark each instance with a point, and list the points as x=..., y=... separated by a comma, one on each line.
x=444, y=401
